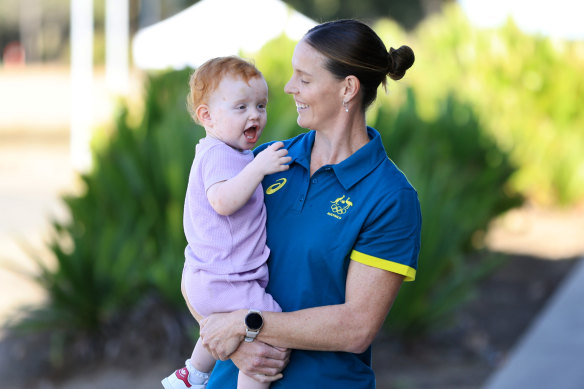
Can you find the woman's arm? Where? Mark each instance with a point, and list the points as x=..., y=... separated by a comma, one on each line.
x=255, y=358
x=350, y=326
x=226, y=197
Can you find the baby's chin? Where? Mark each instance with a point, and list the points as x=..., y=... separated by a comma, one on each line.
x=240, y=146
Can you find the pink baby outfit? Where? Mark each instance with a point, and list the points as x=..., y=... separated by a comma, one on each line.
x=225, y=258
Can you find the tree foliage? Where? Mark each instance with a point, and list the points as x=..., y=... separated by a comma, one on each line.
x=407, y=13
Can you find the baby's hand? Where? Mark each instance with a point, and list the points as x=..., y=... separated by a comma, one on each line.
x=273, y=159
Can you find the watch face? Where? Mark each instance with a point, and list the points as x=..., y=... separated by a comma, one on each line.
x=254, y=321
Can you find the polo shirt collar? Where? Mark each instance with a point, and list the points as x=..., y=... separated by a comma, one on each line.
x=300, y=152
x=362, y=162
x=351, y=170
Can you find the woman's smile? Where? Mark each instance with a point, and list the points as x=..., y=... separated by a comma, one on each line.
x=300, y=106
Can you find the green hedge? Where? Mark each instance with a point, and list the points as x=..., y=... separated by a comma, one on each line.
x=125, y=238
x=526, y=90
x=461, y=177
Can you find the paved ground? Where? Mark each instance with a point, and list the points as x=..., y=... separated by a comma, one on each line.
x=551, y=353
x=34, y=171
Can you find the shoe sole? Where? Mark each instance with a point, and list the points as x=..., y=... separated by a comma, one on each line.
x=166, y=384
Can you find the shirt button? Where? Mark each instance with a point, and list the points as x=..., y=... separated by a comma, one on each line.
x=314, y=180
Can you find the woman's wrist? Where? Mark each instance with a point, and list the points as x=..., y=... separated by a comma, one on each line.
x=238, y=323
x=223, y=333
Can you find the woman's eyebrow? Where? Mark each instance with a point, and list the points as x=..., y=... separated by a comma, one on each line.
x=303, y=73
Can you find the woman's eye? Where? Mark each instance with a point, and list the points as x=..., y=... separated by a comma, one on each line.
x=304, y=82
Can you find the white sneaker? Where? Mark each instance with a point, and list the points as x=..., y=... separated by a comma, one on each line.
x=180, y=380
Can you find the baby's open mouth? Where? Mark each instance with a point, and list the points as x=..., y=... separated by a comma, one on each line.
x=251, y=134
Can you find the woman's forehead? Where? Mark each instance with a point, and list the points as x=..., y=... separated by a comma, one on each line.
x=306, y=59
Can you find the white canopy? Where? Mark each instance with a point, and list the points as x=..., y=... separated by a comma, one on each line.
x=213, y=28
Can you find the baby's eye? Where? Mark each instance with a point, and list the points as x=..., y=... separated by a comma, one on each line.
x=241, y=106
x=262, y=106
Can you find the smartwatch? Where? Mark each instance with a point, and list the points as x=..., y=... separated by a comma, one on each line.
x=253, y=324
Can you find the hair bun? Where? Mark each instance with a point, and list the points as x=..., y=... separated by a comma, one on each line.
x=398, y=61
x=390, y=59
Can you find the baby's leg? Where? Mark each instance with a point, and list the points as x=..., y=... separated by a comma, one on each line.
x=246, y=382
x=189, y=306
x=201, y=359
x=196, y=372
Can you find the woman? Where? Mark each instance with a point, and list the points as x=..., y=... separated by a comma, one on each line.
x=343, y=226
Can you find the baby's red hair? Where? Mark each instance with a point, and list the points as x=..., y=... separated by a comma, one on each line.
x=210, y=74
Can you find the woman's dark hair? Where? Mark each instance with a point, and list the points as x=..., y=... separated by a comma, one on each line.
x=353, y=48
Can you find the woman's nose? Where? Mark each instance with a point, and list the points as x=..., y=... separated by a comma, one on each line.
x=288, y=88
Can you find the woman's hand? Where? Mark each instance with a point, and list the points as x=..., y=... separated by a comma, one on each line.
x=261, y=361
x=221, y=333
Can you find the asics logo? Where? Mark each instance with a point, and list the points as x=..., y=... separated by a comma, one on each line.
x=276, y=186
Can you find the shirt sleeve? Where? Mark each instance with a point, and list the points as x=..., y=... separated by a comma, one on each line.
x=221, y=163
x=390, y=240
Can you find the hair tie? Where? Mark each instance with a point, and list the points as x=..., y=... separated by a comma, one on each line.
x=390, y=58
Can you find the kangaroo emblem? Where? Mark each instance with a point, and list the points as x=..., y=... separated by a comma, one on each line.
x=340, y=205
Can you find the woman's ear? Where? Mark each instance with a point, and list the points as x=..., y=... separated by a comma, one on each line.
x=203, y=115
x=351, y=88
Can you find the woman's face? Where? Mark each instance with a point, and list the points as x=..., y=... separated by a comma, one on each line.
x=317, y=93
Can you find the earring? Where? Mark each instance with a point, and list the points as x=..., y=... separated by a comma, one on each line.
x=346, y=105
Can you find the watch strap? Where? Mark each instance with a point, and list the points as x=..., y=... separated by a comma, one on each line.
x=250, y=335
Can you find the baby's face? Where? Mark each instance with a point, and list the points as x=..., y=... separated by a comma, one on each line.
x=238, y=111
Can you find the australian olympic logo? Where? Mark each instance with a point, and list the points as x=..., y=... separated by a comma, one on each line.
x=340, y=206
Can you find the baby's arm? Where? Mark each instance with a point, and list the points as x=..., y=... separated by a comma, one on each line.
x=226, y=197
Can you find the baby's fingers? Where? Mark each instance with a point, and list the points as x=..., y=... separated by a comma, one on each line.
x=277, y=145
x=267, y=378
x=282, y=152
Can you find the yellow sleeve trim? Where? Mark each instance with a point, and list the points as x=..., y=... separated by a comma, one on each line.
x=404, y=270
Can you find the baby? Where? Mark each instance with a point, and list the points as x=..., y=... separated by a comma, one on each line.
x=224, y=215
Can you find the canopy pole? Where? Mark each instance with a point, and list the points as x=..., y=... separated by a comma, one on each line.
x=117, y=31
x=81, y=83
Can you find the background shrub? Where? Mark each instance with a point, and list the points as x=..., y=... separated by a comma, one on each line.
x=527, y=92
x=462, y=181
x=124, y=242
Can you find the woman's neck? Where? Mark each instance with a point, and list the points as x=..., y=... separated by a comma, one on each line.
x=332, y=147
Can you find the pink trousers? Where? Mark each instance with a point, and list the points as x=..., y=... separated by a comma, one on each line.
x=212, y=293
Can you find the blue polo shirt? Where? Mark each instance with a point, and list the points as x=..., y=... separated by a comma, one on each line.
x=362, y=209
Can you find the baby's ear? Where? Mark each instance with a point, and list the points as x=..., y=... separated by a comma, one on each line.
x=203, y=114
